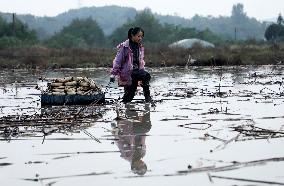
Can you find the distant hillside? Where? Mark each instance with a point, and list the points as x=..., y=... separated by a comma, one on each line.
x=111, y=17
x=246, y=28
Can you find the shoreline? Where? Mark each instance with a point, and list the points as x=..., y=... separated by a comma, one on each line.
x=39, y=57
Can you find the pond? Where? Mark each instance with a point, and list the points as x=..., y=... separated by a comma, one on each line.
x=206, y=126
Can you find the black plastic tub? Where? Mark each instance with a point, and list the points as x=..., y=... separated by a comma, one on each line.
x=76, y=99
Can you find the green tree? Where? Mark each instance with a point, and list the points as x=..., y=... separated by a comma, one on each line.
x=80, y=33
x=238, y=13
x=15, y=34
x=3, y=25
x=22, y=31
x=145, y=20
x=280, y=19
x=148, y=22
x=275, y=32
x=87, y=29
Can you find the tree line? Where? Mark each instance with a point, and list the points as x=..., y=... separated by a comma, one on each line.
x=236, y=26
x=86, y=33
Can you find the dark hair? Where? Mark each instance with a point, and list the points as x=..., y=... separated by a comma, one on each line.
x=134, y=31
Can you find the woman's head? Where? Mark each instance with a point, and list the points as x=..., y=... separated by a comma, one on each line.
x=136, y=34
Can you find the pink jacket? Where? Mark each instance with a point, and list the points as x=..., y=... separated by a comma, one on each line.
x=123, y=65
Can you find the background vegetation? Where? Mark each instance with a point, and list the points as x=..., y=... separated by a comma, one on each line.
x=15, y=34
x=87, y=38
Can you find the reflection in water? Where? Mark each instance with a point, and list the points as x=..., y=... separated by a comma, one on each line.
x=131, y=136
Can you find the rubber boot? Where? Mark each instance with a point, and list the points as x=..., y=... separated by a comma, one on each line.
x=146, y=91
x=129, y=93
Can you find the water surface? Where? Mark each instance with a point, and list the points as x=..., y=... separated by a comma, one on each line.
x=208, y=126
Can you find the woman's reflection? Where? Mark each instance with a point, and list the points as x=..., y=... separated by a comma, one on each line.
x=131, y=134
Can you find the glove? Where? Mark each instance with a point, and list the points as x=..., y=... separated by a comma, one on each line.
x=112, y=79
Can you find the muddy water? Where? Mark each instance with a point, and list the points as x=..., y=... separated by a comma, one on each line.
x=208, y=126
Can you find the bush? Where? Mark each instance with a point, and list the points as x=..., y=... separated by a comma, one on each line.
x=7, y=42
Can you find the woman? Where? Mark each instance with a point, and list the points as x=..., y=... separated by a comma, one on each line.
x=128, y=66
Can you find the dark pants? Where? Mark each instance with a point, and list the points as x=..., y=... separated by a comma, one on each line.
x=129, y=91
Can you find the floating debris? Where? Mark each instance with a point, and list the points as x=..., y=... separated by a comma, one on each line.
x=5, y=164
x=38, y=178
x=250, y=132
x=196, y=126
x=56, y=119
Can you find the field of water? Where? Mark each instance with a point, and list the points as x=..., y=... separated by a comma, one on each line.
x=206, y=126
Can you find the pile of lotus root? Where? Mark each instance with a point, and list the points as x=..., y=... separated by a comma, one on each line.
x=73, y=86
